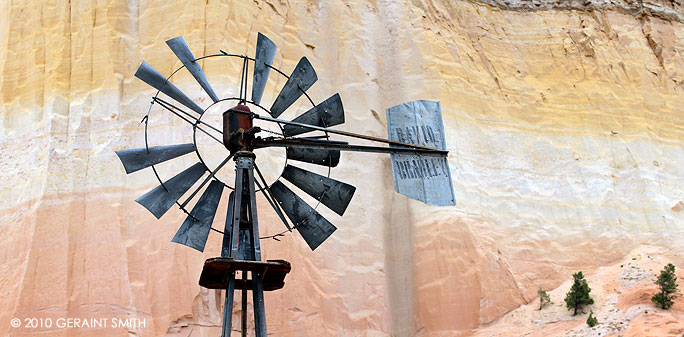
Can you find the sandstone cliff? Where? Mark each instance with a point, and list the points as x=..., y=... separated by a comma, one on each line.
x=563, y=121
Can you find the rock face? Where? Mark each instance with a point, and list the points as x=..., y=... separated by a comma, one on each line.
x=622, y=304
x=563, y=122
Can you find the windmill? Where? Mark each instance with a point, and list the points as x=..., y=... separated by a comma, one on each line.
x=416, y=145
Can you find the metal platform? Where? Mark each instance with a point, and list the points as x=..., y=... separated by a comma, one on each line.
x=217, y=271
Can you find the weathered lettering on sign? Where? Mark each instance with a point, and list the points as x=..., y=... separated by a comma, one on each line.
x=419, y=176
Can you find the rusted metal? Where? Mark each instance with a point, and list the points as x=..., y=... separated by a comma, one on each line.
x=216, y=272
x=237, y=128
x=234, y=119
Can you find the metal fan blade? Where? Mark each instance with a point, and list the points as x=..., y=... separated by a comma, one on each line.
x=334, y=194
x=313, y=227
x=265, y=53
x=160, y=199
x=184, y=54
x=314, y=156
x=138, y=159
x=228, y=229
x=302, y=78
x=328, y=113
x=150, y=76
x=195, y=229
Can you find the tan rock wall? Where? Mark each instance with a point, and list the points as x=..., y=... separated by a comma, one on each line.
x=564, y=128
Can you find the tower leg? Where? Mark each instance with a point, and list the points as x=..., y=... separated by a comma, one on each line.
x=244, y=303
x=228, y=307
x=259, y=311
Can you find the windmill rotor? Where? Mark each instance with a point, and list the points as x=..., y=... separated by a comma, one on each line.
x=302, y=77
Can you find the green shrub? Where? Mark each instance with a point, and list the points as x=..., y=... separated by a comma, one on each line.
x=578, y=296
x=667, y=283
x=544, y=298
x=591, y=320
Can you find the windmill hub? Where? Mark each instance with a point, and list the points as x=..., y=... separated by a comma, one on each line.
x=271, y=161
x=238, y=129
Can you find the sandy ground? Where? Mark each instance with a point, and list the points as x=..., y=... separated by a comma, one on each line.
x=622, y=303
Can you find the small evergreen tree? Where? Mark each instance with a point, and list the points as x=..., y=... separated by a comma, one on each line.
x=667, y=283
x=578, y=296
x=591, y=320
x=544, y=298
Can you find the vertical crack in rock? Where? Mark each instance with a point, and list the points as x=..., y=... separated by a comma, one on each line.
x=398, y=231
x=652, y=41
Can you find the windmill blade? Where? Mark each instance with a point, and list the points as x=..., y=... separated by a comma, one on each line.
x=152, y=77
x=265, y=53
x=313, y=155
x=228, y=229
x=184, y=54
x=302, y=78
x=313, y=227
x=334, y=194
x=160, y=199
x=195, y=229
x=137, y=159
x=328, y=158
x=328, y=113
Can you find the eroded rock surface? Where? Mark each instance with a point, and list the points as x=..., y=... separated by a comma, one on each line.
x=563, y=122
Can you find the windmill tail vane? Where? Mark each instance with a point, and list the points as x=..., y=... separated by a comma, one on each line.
x=416, y=144
x=420, y=177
